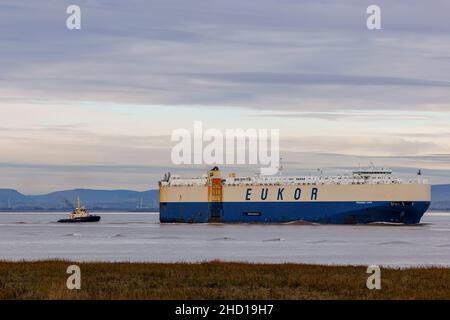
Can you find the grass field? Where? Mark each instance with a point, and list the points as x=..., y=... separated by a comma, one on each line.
x=217, y=280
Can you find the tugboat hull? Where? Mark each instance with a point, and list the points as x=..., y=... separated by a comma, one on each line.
x=81, y=219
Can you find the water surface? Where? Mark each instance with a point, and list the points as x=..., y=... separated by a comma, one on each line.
x=140, y=237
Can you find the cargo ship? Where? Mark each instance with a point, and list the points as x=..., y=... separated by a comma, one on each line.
x=367, y=195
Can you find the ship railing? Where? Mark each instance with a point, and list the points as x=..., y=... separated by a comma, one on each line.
x=312, y=182
x=184, y=182
x=418, y=181
x=248, y=181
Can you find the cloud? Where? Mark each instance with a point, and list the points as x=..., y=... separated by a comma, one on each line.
x=42, y=178
x=318, y=79
x=256, y=54
x=354, y=116
x=71, y=97
x=361, y=146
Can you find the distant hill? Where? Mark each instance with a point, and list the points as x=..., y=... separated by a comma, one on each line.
x=128, y=200
x=100, y=200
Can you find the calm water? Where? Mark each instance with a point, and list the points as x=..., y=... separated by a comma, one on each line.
x=140, y=237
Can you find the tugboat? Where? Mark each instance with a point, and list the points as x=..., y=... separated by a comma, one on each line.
x=80, y=214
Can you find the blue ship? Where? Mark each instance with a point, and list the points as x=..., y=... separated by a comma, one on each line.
x=366, y=196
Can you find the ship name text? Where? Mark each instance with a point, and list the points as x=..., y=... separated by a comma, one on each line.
x=280, y=194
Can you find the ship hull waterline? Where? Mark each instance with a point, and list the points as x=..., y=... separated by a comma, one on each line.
x=344, y=212
x=81, y=219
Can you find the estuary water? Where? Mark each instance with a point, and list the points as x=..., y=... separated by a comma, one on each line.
x=140, y=237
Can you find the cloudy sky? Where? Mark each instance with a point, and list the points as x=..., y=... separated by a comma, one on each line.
x=95, y=107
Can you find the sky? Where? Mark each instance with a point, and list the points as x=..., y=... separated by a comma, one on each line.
x=95, y=107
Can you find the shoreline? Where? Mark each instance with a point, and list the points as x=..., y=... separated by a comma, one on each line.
x=400, y=267
x=46, y=279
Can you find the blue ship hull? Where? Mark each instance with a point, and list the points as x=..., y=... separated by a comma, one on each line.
x=276, y=212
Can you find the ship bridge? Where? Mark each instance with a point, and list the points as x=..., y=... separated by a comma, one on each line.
x=372, y=172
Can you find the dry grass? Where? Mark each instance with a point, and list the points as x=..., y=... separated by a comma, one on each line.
x=216, y=280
